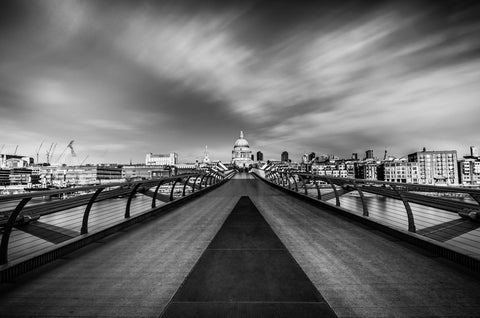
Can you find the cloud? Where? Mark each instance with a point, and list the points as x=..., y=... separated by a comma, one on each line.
x=173, y=76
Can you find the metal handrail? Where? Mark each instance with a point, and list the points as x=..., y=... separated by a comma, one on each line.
x=134, y=186
x=390, y=189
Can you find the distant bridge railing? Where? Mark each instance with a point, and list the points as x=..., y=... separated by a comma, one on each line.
x=407, y=193
x=30, y=222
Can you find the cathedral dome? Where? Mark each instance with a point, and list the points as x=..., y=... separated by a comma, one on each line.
x=241, y=142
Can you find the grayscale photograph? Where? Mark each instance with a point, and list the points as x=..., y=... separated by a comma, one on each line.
x=257, y=158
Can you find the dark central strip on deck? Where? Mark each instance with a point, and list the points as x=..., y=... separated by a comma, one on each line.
x=246, y=271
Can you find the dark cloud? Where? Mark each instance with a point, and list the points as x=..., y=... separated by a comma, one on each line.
x=125, y=78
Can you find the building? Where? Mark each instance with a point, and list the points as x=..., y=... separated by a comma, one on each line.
x=284, y=156
x=469, y=171
x=79, y=175
x=400, y=170
x=354, y=156
x=4, y=177
x=23, y=176
x=88, y=175
x=368, y=170
x=141, y=172
x=329, y=168
x=259, y=156
x=436, y=167
x=241, y=153
x=473, y=151
x=369, y=154
x=161, y=159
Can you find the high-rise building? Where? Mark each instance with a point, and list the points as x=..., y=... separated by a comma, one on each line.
x=161, y=159
x=305, y=158
x=284, y=156
x=473, y=151
x=355, y=156
x=436, y=167
x=369, y=154
x=259, y=156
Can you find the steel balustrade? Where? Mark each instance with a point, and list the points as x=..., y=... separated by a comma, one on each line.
x=99, y=193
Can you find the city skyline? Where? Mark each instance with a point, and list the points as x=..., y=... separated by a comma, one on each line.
x=124, y=79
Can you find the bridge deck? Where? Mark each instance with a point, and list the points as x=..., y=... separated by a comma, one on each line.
x=440, y=225
x=358, y=271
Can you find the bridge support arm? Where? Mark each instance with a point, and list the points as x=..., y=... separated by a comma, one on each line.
x=130, y=197
x=185, y=185
x=319, y=193
x=295, y=182
x=411, y=221
x=154, y=198
x=304, y=184
x=337, y=197
x=8, y=230
x=86, y=214
x=362, y=197
x=173, y=188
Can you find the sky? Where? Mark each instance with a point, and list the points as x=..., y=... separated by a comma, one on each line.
x=126, y=78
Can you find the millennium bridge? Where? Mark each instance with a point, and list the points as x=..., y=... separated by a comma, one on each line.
x=267, y=243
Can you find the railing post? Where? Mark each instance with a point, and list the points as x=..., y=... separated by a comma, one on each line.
x=154, y=198
x=337, y=197
x=86, y=214
x=130, y=197
x=8, y=230
x=362, y=197
x=411, y=221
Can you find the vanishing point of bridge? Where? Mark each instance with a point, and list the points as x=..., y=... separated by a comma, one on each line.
x=239, y=245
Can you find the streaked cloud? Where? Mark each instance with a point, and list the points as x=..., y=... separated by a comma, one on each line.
x=158, y=77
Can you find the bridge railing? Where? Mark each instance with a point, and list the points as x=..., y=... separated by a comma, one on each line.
x=327, y=188
x=67, y=212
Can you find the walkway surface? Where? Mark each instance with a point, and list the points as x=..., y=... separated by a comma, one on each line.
x=359, y=272
x=246, y=271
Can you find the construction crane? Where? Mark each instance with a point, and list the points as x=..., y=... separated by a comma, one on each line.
x=48, y=152
x=70, y=145
x=38, y=150
x=53, y=150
